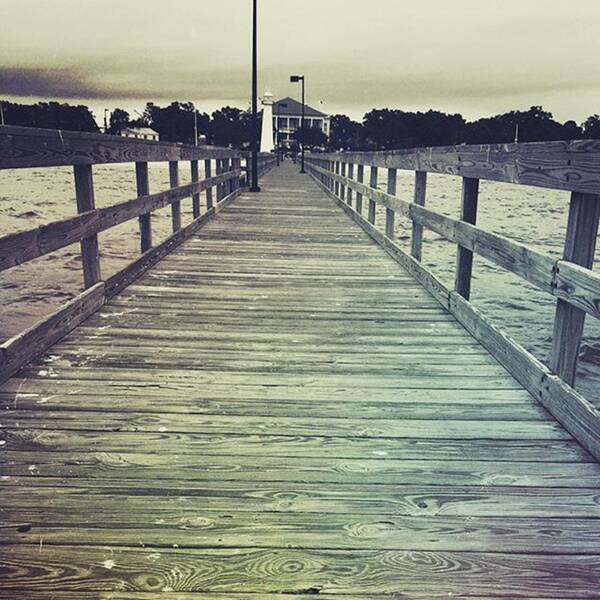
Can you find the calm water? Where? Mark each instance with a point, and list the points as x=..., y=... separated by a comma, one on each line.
x=533, y=216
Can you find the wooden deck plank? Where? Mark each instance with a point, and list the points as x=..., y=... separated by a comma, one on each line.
x=277, y=410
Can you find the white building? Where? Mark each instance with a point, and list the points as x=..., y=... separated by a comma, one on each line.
x=266, y=136
x=142, y=133
x=287, y=115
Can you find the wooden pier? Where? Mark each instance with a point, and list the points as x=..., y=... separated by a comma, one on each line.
x=270, y=406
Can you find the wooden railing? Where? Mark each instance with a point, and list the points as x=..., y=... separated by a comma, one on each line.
x=572, y=166
x=22, y=147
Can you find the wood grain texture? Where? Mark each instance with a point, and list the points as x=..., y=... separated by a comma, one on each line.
x=28, y=147
x=565, y=165
x=276, y=409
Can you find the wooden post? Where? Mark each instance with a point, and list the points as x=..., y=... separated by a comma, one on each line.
x=416, y=248
x=390, y=215
x=195, y=197
x=176, y=206
x=220, y=186
x=342, y=186
x=84, y=194
x=350, y=176
x=207, y=175
x=464, y=257
x=145, y=221
x=236, y=166
x=580, y=248
x=336, y=189
x=372, y=205
x=360, y=177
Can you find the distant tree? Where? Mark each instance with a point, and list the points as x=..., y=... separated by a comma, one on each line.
x=230, y=127
x=50, y=115
x=534, y=125
x=591, y=127
x=345, y=134
x=310, y=137
x=175, y=123
x=119, y=120
x=387, y=129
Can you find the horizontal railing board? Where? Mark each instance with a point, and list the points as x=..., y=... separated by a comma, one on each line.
x=21, y=349
x=24, y=246
x=26, y=147
x=574, y=284
x=577, y=415
x=563, y=165
x=578, y=286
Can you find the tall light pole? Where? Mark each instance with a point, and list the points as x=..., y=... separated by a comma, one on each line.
x=296, y=79
x=254, y=171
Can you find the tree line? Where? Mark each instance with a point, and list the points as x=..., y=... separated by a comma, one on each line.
x=380, y=129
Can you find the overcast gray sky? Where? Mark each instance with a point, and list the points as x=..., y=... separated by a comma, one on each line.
x=478, y=57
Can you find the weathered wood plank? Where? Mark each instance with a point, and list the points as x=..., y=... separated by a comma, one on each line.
x=84, y=194
x=564, y=165
x=335, y=571
x=145, y=220
x=580, y=248
x=32, y=147
x=22, y=348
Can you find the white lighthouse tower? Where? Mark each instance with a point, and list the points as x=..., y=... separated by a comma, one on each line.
x=266, y=136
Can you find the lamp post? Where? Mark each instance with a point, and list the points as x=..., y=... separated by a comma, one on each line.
x=254, y=170
x=296, y=79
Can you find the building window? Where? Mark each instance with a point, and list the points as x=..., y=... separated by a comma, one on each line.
x=283, y=122
x=317, y=123
x=294, y=123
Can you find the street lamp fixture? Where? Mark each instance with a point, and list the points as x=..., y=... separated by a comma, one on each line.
x=297, y=79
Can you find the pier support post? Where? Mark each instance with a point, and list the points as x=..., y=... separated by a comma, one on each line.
x=416, y=246
x=390, y=215
x=196, y=196
x=145, y=221
x=176, y=206
x=360, y=177
x=372, y=205
x=464, y=257
x=336, y=188
x=209, y=191
x=349, y=191
x=342, y=186
x=84, y=194
x=580, y=248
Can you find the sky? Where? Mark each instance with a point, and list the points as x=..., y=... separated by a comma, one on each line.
x=476, y=57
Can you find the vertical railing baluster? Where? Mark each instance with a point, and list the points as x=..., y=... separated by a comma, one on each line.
x=209, y=190
x=372, y=204
x=342, y=186
x=84, y=194
x=360, y=177
x=236, y=166
x=336, y=190
x=416, y=246
x=196, y=195
x=349, y=191
x=176, y=206
x=464, y=257
x=390, y=215
x=580, y=248
x=145, y=221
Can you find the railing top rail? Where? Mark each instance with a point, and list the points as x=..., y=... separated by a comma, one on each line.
x=22, y=147
x=562, y=165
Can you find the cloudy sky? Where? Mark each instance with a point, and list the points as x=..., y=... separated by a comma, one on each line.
x=478, y=57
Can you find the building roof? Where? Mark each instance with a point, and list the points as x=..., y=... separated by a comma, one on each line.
x=141, y=130
x=295, y=108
